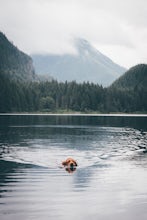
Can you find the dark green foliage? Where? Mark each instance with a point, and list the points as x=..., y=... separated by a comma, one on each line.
x=47, y=103
x=19, y=93
x=71, y=95
x=16, y=96
x=14, y=63
x=134, y=78
x=131, y=89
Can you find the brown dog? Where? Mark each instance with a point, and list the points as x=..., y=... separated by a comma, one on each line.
x=69, y=162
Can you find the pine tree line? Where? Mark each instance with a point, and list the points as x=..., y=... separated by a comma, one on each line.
x=16, y=96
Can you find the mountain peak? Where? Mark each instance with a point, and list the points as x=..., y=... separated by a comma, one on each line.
x=81, y=42
x=84, y=47
x=88, y=65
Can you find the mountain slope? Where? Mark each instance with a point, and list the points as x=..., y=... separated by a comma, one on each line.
x=87, y=65
x=135, y=77
x=14, y=63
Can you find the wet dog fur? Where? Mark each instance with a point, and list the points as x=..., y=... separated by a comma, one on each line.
x=69, y=162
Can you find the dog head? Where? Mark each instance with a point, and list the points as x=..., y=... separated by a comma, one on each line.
x=69, y=162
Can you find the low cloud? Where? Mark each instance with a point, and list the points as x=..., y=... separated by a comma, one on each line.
x=48, y=26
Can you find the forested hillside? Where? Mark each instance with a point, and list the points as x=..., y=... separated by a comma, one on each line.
x=20, y=93
x=132, y=89
x=134, y=78
x=14, y=63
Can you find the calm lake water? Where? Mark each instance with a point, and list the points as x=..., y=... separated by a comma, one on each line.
x=110, y=181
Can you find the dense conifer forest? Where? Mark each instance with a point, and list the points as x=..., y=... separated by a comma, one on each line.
x=21, y=90
x=54, y=96
x=15, y=63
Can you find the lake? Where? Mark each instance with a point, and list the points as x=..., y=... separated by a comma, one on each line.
x=110, y=181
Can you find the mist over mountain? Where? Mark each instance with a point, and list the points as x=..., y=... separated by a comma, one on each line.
x=21, y=90
x=14, y=63
x=87, y=65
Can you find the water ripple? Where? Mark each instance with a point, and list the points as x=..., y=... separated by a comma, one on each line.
x=111, y=173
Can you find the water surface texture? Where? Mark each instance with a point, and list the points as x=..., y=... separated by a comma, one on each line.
x=110, y=181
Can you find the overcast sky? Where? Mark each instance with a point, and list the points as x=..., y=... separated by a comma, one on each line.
x=117, y=28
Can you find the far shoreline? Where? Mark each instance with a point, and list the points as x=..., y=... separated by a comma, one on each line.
x=75, y=114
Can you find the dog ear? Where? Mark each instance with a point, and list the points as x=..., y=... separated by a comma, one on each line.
x=68, y=160
x=64, y=163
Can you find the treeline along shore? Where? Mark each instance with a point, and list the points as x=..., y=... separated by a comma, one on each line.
x=54, y=96
x=21, y=90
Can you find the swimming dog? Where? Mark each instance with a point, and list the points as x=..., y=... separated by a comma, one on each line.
x=69, y=163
